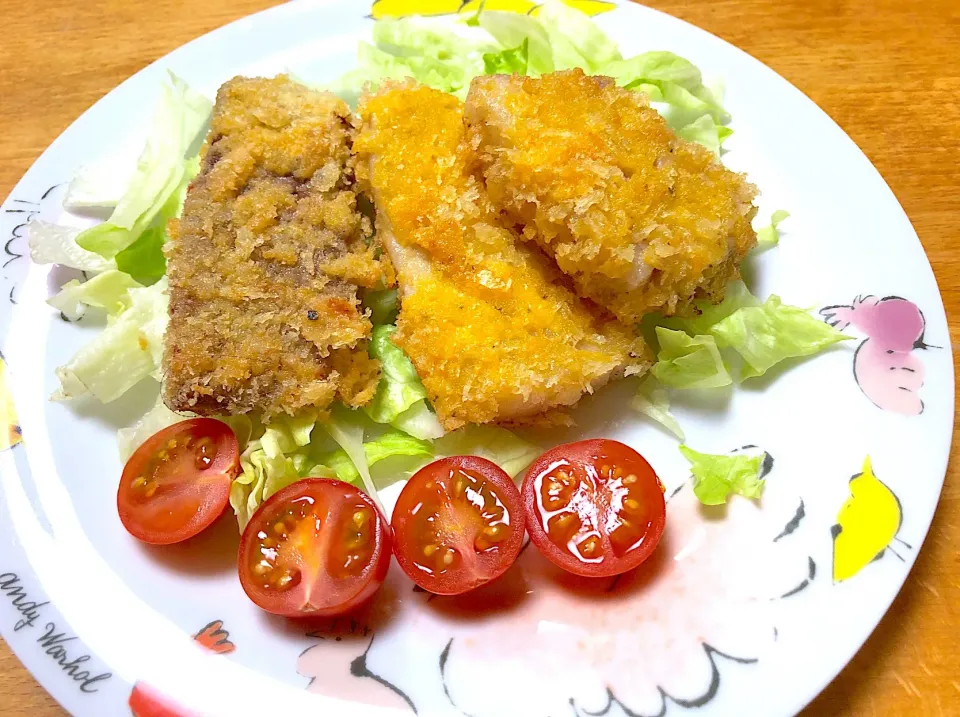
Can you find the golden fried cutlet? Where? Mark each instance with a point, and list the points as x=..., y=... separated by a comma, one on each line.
x=641, y=220
x=492, y=334
x=265, y=262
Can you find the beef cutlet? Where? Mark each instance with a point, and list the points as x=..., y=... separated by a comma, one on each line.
x=265, y=262
x=486, y=320
x=641, y=220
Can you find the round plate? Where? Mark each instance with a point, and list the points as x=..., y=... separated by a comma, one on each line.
x=747, y=609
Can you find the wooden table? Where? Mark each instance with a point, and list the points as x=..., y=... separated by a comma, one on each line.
x=885, y=70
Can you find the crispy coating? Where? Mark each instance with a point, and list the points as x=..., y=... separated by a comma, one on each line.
x=265, y=262
x=492, y=331
x=641, y=220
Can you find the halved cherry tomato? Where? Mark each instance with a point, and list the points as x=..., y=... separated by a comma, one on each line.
x=178, y=482
x=458, y=524
x=317, y=548
x=594, y=507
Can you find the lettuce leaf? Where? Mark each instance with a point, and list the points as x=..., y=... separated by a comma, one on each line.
x=127, y=351
x=389, y=445
x=769, y=236
x=511, y=30
x=180, y=117
x=705, y=130
x=445, y=58
x=383, y=306
x=400, y=386
x=420, y=422
x=653, y=400
x=767, y=334
x=57, y=244
x=514, y=61
x=109, y=291
x=689, y=361
x=496, y=444
x=717, y=476
x=157, y=418
x=346, y=428
x=736, y=297
x=576, y=40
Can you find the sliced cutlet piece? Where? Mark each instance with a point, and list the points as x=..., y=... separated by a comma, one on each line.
x=265, y=262
x=486, y=320
x=641, y=220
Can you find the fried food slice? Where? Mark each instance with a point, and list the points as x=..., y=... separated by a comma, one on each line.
x=265, y=262
x=641, y=220
x=491, y=330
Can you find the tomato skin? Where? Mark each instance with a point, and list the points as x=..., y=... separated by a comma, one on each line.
x=455, y=527
x=327, y=594
x=602, y=476
x=167, y=495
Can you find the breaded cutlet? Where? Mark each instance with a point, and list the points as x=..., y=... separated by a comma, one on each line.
x=641, y=220
x=265, y=262
x=485, y=319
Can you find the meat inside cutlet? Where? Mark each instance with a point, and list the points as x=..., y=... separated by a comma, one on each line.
x=641, y=220
x=265, y=262
x=491, y=332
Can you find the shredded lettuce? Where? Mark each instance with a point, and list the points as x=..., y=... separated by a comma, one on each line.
x=109, y=291
x=577, y=41
x=157, y=418
x=737, y=296
x=653, y=400
x=767, y=334
x=127, y=351
x=717, y=476
x=400, y=386
x=511, y=30
x=57, y=244
x=445, y=58
x=180, y=117
x=769, y=236
x=346, y=428
x=382, y=305
x=555, y=37
x=389, y=445
x=689, y=361
x=503, y=447
x=420, y=422
x=101, y=184
x=511, y=62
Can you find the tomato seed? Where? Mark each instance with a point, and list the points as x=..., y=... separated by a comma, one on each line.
x=430, y=550
x=632, y=505
x=449, y=556
x=151, y=490
x=288, y=579
x=630, y=479
x=204, y=453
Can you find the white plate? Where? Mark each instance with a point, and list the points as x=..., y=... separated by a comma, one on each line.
x=91, y=612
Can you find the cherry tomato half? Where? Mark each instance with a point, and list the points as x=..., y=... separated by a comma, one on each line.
x=458, y=524
x=178, y=482
x=317, y=548
x=594, y=507
x=145, y=701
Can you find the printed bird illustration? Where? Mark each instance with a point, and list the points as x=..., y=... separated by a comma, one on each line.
x=147, y=701
x=407, y=8
x=885, y=366
x=867, y=524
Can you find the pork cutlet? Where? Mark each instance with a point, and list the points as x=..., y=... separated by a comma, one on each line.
x=265, y=263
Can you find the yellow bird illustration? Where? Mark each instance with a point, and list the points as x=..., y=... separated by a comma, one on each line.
x=867, y=524
x=9, y=425
x=406, y=8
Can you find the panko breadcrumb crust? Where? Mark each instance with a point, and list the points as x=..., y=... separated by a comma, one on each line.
x=491, y=327
x=265, y=262
x=641, y=220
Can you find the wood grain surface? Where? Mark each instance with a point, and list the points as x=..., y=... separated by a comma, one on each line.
x=885, y=70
